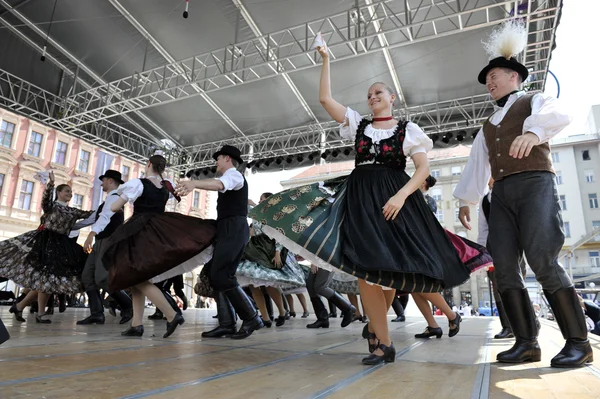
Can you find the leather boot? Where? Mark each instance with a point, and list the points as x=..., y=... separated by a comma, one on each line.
x=242, y=304
x=226, y=316
x=96, y=309
x=522, y=320
x=320, y=312
x=124, y=302
x=569, y=316
x=506, y=330
x=347, y=309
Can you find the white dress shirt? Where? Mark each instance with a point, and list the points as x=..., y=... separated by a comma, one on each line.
x=546, y=121
x=232, y=180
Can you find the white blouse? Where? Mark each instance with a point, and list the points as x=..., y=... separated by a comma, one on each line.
x=415, y=140
x=133, y=189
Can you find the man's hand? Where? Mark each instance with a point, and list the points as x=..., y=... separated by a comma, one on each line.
x=523, y=144
x=464, y=215
x=87, y=246
x=277, y=260
x=313, y=269
x=185, y=187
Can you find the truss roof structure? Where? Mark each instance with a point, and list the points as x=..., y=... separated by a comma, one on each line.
x=128, y=75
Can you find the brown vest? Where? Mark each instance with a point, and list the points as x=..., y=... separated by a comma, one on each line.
x=499, y=138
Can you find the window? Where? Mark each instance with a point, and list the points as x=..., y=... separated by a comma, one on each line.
x=563, y=203
x=559, y=179
x=125, y=172
x=567, y=227
x=596, y=225
x=35, y=144
x=60, y=157
x=440, y=215
x=436, y=194
x=196, y=201
x=435, y=173
x=7, y=130
x=555, y=157
x=25, y=195
x=1, y=182
x=77, y=201
x=585, y=154
x=593, y=198
x=456, y=213
x=589, y=176
x=84, y=161
x=595, y=258
x=456, y=171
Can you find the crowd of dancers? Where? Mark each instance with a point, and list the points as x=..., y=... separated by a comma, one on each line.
x=371, y=234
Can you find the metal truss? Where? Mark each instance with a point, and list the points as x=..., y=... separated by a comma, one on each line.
x=249, y=61
x=23, y=98
x=436, y=118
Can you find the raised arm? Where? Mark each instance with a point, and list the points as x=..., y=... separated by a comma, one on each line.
x=336, y=110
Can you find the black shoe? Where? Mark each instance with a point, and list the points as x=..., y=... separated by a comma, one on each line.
x=305, y=315
x=158, y=315
x=505, y=333
x=521, y=316
x=348, y=310
x=215, y=316
x=431, y=332
x=399, y=318
x=33, y=308
x=178, y=320
x=319, y=324
x=62, y=307
x=226, y=316
x=292, y=314
x=126, y=315
x=366, y=334
x=38, y=319
x=93, y=319
x=219, y=332
x=248, y=327
x=112, y=309
x=456, y=324
x=267, y=323
x=185, y=302
x=18, y=313
x=287, y=315
x=389, y=356
x=333, y=315
x=134, y=331
x=243, y=306
x=569, y=316
x=280, y=321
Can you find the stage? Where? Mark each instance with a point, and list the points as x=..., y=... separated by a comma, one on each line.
x=63, y=360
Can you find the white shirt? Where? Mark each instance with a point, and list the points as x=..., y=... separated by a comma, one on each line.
x=482, y=224
x=133, y=189
x=415, y=140
x=232, y=180
x=104, y=218
x=546, y=121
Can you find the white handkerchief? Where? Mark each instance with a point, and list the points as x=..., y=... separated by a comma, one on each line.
x=318, y=41
x=42, y=177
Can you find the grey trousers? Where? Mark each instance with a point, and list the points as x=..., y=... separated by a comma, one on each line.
x=318, y=284
x=525, y=218
x=95, y=276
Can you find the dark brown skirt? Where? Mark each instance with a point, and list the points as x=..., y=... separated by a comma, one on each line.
x=151, y=244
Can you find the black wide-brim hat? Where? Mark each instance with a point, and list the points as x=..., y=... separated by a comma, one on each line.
x=230, y=151
x=113, y=174
x=502, y=62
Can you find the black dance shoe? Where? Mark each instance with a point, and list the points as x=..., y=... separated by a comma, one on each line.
x=370, y=336
x=93, y=319
x=137, y=331
x=126, y=315
x=158, y=315
x=38, y=319
x=305, y=315
x=293, y=314
x=267, y=323
x=431, y=332
x=399, y=319
x=319, y=324
x=280, y=321
x=172, y=325
x=456, y=324
x=18, y=313
x=521, y=352
x=248, y=327
x=389, y=356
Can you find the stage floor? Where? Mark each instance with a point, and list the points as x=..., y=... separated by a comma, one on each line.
x=63, y=360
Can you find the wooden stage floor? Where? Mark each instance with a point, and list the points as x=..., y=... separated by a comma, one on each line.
x=62, y=360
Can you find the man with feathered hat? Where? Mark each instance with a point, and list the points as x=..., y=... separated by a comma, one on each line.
x=512, y=147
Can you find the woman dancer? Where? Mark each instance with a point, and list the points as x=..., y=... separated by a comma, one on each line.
x=46, y=260
x=375, y=224
x=154, y=244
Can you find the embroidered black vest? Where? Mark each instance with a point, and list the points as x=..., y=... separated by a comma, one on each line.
x=387, y=152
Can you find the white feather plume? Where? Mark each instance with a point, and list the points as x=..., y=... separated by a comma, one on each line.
x=159, y=152
x=508, y=40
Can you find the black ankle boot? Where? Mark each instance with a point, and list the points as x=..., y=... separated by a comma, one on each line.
x=505, y=333
x=521, y=316
x=251, y=321
x=348, y=310
x=389, y=356
x=569, y=316
x=226, y=316
x=96, y=309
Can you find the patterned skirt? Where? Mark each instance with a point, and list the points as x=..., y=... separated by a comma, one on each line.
x=339, y=225
x=44, y=261
x=289, y=276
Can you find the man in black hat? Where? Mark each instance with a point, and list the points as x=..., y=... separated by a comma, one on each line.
x=512, y=147
x=233, y=234
x=95, y=277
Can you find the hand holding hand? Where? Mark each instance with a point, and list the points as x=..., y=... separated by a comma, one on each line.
x=184, y=188
x=87, y=246
x=313, y=269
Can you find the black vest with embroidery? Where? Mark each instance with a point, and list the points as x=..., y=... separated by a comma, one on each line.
x=153, y=199
x=115, y=221
x=387, y=152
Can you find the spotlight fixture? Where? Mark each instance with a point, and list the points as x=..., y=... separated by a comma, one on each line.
x=289, y=159
x=268, y=162
x=279, y=160
x=325, y=154
x=447, y=137
x=461, y=135
x=205, y=172
x=189, y=173
x=435, y=137
x=300, y=158
x=335, y=153
x=347, y=151
x=197, y=172
x=213, y=170
x=474, y=134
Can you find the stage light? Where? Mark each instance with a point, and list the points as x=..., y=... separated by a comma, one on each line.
x=335, y=153
x=447, y=137
x=289, y=159
x=347, y=151
x=197, y=172
x=279, y=160
x=435, y=137
x=268, y=162
x=205, y=172
x=189, y=173
x=325, y=154
x=474, y=133
x=213, y=170
x=461, y=135
x=300, y=158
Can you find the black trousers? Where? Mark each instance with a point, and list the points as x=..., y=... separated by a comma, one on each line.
x=232, y=236
x=525, y=219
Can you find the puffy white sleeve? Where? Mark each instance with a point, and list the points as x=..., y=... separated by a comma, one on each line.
x=350, y=125
x=473, y=183
x=415, y=140
x=232, y=180
x=131, y=190
x=547, y=119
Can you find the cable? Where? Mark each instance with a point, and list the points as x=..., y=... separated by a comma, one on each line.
x=43, y=57
x=557, y=83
